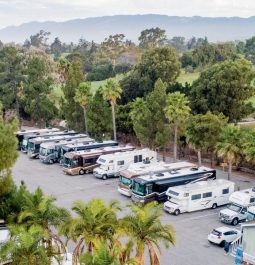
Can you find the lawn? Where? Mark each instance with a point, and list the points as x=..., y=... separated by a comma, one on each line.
x=187, y=77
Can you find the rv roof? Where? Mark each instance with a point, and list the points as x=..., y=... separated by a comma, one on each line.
x=172, y=173
x=200, y=185
x=53, y=138
x=83, y=139
x=78, y=145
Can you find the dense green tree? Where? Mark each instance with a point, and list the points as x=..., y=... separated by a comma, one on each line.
x=8, y=153
x=148, y=118
x=11, y=76
x=100, y=71
x=38, y=40
x=112, y=92
x=203, y=131
x=249, y=145
x=83, y=97
x=250, y=49
x=230, y=145
x=56, y=47
x=177, y=112
x=152, y=38
x=99, y=116
x=224, y=88
x=158, y=63
x=240, y=47
x=123, y=120
x=71, y=110
x=25, y=247
x=144, y=227
x=36, y=91
x=178, y=43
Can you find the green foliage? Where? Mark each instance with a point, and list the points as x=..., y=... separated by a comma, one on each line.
x=249, y=145
x=123, y=120
x=148, y=117
x=71, y=110
x=158, y=63
x=11, y=76
x=101, y=71
x=36, y=91
x=25, y=247
x=99, y=116
x=224, y=88
x=56, y=48
x=250, y=49
x=152, y=38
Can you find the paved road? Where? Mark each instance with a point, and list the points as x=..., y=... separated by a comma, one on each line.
x=192, y=229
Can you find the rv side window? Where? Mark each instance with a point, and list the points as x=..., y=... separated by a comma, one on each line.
x=195, y=197
x=207, y=194
x=138, y=158
x=252, y=200
x=120, y=163
x=88, y=161
x=225, y=191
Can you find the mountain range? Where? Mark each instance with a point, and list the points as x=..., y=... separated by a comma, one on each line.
x=98, y=28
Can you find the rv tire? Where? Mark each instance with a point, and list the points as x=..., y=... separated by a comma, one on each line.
x=81, y=172
x=177, y=212
x=214, y=206
x=104, y=177
x=235, y=221
x=51, y=161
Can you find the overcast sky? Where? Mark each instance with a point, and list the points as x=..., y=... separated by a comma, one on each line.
x=15, y=12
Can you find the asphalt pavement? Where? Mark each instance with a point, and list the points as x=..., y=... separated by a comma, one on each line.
x=192, y=247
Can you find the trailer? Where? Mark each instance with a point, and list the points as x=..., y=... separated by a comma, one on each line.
x=146, y=167
x=198, y=196
x=153, y=187
x=50, y=152
x=81, y=162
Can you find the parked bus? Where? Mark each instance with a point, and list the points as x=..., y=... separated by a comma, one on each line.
x=111, y=164
x=79, y=147
x=34, y=144
x=28, y=137
x=144, y=168
x=153, y=187
x=81, y=162
x=198, y=196
x=50, y=151
x=22, y=133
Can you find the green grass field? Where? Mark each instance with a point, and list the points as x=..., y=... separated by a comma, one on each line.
x=187, y=77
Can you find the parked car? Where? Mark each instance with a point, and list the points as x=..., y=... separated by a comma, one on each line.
x=223, y=234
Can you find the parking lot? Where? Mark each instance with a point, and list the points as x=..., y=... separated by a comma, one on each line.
x=192, y=247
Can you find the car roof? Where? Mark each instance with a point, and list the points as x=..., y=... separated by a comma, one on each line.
x=224, y=229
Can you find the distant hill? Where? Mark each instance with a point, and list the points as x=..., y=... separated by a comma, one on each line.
x=216, y=29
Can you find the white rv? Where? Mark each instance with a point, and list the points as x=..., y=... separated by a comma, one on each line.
x=110, y=165
x=237, y=209
x=198, y=196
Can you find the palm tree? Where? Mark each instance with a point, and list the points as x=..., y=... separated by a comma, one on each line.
x=41, y=210
x=177, y=111
x=95, y=222
x=230, y=145
x=111, y=92
x=144, y=227
x=25, y=246
x=249, y=146
x=83, y=96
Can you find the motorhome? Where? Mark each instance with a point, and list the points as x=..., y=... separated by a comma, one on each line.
x=34, y=144
x=81, y=162
x=50, y=152
x=135, y=170
x=198, y=196
x=29, y=137
x=111, y=165
x=153, y=187
x=22, y=133
x=237, y=209
x=79, y=147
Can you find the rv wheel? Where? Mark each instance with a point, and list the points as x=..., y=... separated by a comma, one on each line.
x=104, y=177
x=51, y=161
x=214, y=206
x=81, y=172
x=235, y=222
x=177, y=212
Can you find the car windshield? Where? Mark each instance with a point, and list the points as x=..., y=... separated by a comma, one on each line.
x=234, y=207
x=138, y=188
x=104, y=167
x=125, y=181
x=216, y=232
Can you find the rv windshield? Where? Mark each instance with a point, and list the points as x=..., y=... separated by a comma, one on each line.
x=138, y=188
x=234, y=207
x=45, y=151
x=37, y=147
x=67, y=162
x=24, y=142
x=250, y=216
x=31, y=146
x=125, y=181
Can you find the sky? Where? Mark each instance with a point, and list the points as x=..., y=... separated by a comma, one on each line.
x=15, y=12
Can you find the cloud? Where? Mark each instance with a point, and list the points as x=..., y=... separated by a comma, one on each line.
x=20, y=11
